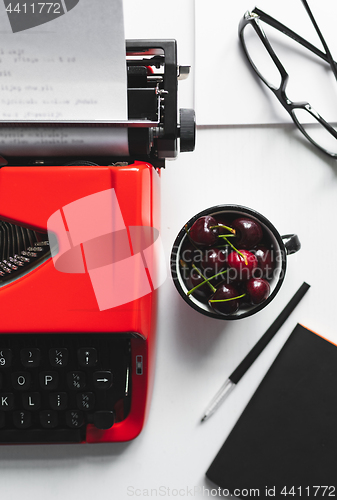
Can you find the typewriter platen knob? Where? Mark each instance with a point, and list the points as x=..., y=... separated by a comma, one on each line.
x=187, y=130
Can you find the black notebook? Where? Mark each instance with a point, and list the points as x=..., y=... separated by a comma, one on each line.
x=284, y=445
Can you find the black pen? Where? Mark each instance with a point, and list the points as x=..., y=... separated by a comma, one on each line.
x=234, y=378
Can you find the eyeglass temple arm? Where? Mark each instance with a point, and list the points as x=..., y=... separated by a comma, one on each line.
x=281, y=27
x=318, y=31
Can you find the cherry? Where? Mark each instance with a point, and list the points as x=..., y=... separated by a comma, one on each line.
x=223, y=293
x=204, y=231
x=243, y=262
x=258, y=290
x=225, y=264
x=214, y=260
x=190, y=253
x=248, y=232
x=224, y=224
x=265, y=261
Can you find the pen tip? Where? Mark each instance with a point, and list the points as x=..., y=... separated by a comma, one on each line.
x=203, y=418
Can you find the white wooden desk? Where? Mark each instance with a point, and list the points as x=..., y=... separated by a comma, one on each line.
x=268, y=169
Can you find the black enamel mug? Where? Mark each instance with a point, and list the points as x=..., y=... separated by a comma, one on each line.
x=281, y=247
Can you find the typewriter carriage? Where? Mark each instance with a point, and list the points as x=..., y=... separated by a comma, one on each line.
x=152, y=127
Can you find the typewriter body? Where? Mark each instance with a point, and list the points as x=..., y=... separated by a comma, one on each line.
x=80, y=243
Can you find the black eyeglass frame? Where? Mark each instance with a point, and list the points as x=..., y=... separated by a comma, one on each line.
x=253, y=18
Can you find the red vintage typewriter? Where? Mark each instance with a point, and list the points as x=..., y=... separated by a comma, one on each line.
x=79, y=233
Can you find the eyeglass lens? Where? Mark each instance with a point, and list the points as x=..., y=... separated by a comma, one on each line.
x=260, y=57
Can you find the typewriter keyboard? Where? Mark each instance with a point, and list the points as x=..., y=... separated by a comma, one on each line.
x=52, y=385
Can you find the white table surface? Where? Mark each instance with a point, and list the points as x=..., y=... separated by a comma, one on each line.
x=271, y=170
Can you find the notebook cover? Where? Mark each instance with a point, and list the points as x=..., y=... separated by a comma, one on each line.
x=287, y=435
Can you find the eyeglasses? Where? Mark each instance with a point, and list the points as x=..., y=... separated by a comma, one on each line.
x=269, y=68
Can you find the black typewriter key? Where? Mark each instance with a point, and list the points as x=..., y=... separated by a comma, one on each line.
x=87, y=357
x=76, y=380
x=53, y=386
x=31, y=401
x=30, y=358
x=49, y=380
x=104, y=419
x=6, y=401
x=85, y=400
x=5, y=358
x=22, y=419
x=103, y=379
x=58, y=400
x=48, y=419
x=74, y=419
x=58, y=357
x=21, y=380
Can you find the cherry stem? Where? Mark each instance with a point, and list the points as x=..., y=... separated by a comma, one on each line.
x=226, y=300
x=230, y=229
x=183, y=263
x=237, y=251
x=226, y=245
x=206, y=281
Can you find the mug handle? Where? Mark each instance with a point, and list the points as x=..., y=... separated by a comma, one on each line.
x=291, y=243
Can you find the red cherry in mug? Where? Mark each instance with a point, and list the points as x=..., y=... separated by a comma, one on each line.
x=243, y=262
x=248, y=232
x=225, y=299
x=214, y=260
x=258, y=290
x=265, y=259
x=189, y=253
x=224, y=225
x=204, y=231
